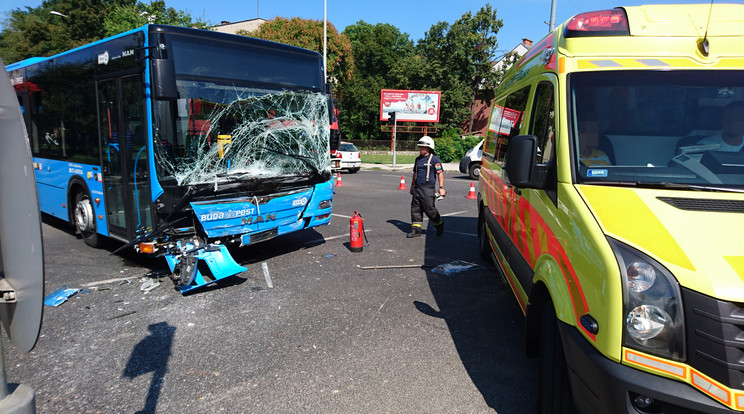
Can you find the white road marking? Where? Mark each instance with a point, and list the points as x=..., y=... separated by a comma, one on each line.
x=453, y=214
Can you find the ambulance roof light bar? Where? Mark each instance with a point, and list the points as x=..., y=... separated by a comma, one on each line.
x=612, y=22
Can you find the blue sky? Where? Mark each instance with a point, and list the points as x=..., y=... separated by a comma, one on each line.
x=522, y=18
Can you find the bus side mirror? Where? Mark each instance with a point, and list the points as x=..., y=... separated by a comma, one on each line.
x=520, y=161
x=164, y=79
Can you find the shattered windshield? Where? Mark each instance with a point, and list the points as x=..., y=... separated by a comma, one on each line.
x=247, y=111
x=220, y=132
x=682, y=129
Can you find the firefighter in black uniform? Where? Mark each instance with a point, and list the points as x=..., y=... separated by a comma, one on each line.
x=427, y=183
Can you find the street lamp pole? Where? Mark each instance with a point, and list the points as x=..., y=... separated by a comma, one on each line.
x=552, y=16
x=325, y=38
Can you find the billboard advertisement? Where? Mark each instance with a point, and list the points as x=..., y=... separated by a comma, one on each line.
x=410, y=106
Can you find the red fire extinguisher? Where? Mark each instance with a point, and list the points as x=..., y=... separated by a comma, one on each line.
x=356, y=229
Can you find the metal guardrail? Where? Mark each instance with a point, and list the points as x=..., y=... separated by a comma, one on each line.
x=383, y=145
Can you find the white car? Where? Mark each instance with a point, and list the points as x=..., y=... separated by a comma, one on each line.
x=470, y=164
x=348, y=157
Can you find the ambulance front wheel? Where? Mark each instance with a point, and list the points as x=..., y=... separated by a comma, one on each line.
x=554, y=391
x=483, y=244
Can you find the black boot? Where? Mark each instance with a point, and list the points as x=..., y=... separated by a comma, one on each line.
x=415, y=232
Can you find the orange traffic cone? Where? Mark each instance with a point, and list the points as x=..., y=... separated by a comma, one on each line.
x=402, y=185
x=471, y=193
x=339, y=181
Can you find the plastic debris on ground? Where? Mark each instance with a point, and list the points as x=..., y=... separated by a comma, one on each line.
x=453, y=267
x=149, y=285
x=59, y=296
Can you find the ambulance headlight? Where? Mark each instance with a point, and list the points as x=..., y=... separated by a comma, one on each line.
x=641, y=276
x=652, y=304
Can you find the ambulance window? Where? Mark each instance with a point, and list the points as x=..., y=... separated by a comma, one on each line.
x=543, y=122
x=489, y=145
x=508, y=124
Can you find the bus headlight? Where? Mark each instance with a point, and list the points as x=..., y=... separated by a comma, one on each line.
x=652, y=304
x=325, y=204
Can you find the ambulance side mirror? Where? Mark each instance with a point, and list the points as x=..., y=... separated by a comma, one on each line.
x=521, y=156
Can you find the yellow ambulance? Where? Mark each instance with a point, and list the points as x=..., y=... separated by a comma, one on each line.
x=612, y=202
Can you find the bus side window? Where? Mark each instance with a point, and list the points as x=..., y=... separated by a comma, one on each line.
x=543, y=122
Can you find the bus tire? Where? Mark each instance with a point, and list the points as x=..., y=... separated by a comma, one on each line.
x=554, y=390
x=84, y=219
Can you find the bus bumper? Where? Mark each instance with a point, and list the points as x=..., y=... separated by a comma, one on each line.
x=600, y=385
x=195, y=268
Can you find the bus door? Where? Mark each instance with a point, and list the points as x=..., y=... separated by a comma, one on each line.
x=125, y=164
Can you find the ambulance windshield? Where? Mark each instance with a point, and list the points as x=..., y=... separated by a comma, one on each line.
x=659, y=128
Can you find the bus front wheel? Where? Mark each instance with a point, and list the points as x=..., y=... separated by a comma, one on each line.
x=85, y=219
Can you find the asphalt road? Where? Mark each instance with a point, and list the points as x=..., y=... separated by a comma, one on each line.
x=329, y=337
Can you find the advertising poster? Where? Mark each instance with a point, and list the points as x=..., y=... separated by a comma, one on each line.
x=410, y=106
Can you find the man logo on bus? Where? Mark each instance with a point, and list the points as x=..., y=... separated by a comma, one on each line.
x=103, y=58
x=258, y=219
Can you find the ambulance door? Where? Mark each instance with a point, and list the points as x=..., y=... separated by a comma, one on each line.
x=538, y=210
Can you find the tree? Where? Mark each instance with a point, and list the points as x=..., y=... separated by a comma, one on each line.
x=308, y=34
x=37, y=32
x=460, y=59
x=378, y=50
x=130, y=16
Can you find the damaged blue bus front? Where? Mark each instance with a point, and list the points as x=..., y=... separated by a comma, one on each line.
x=239, y=149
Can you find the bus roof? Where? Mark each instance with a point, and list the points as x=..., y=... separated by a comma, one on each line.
x=173, y=29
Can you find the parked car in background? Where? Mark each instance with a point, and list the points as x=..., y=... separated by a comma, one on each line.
x=470, y=164
x=347, y=157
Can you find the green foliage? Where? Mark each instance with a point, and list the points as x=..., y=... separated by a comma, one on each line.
x=377, y=50
x=460, y=56
x=308, y=34
x=388, y=158
x=449, y=146
x=468, y=143
x=453, y=58
x=37, y=32
x=130, y=16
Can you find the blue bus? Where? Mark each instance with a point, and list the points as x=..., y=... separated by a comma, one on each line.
x=179, y=142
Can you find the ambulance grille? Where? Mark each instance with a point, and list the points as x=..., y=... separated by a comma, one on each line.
x=698, y=204
x=715, y=337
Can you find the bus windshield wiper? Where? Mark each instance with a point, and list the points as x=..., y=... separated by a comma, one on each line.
x=302, y=158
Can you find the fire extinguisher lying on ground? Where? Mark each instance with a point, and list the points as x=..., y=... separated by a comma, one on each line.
x=356, y=231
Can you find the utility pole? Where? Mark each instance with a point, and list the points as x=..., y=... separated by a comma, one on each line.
x=393, y=116
x=325, y=38
x=552, y=16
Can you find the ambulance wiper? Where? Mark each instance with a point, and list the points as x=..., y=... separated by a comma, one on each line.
x=665, y=185
x=680, y=186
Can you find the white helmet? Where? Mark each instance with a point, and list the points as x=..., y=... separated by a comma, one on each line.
x=426, y=141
